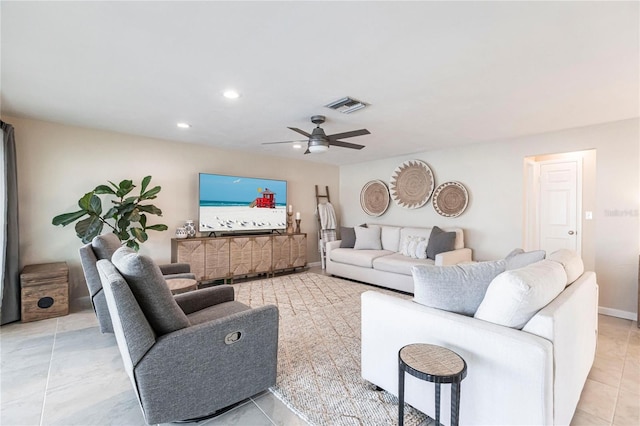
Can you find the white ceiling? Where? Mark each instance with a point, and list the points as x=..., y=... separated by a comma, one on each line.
x=435, y=73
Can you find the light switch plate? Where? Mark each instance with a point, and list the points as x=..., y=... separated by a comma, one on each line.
x=588, y=215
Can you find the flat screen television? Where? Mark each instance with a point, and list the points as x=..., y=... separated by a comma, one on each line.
x=231, y=204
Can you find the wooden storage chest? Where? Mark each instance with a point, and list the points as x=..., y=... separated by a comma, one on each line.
x=45, y=291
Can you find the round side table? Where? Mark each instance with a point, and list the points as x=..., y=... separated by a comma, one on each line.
x=434, y=364
x=181, y=285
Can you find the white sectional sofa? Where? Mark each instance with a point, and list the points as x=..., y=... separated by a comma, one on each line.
x=531, y=374
x=387, y=267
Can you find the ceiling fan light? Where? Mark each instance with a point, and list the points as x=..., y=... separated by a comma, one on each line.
x=318, y=148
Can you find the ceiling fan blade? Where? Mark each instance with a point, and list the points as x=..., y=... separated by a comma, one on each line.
x=345, y=144
x=349, y=134
x=302, y=132
x=271, y=143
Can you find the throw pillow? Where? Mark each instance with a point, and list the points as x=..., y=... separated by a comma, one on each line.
x=440, y=242
x=367, y=238
x=150, y=290
x=570, y=261
x=455, y=288
x=515, y=296
x=348, y=236
x=404, y=245
x=411, y=246
x=421, y=248
x=519, y=258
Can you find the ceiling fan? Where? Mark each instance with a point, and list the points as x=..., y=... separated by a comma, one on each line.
x=320, y=142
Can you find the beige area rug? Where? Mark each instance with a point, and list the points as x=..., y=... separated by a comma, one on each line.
x=319, y=350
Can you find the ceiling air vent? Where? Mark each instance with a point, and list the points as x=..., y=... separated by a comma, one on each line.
x=346, y=105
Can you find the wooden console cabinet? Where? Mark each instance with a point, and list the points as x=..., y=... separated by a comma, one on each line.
x=214, y=258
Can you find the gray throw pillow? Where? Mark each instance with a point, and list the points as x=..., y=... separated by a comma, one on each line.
x=150, y=290
x=440, y=242
x=348, y=237
x=518, y=258
x=105, y=245
x=455, y=288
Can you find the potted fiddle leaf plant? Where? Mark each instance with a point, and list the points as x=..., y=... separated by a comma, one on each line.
x=127, y=216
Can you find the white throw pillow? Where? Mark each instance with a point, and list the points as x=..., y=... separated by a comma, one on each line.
x=367, y=238
x=454, y=288
x=421, y=248
x=570, y=261
x=411, y=247
x=515, y=296
x=404, y=246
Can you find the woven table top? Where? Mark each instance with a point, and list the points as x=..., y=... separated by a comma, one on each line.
x=432, y=360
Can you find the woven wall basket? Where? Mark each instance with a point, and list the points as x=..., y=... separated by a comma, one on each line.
x=412, y=184
x=450, y=199
x=374, y=198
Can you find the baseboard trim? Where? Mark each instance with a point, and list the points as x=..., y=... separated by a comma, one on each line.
x=617, y=313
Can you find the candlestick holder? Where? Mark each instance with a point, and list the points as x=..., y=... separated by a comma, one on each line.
x=289, y=222
x=297, y=226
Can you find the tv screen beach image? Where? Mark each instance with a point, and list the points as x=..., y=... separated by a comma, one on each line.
x=232, y=203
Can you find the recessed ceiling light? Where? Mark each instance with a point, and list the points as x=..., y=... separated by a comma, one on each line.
x=297, y=145
x=183, y=125
x=231, y=94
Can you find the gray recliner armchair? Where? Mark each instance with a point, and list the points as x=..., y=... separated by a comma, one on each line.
x=191, y=355
x=103, y=247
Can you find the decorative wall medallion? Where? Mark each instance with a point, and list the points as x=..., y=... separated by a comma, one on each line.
x=412, y=184
x=374, y=198
x=450, y=199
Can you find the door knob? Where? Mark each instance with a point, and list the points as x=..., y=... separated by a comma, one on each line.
x=571, y=232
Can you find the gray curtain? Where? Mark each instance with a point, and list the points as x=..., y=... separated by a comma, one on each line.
x=10, y=310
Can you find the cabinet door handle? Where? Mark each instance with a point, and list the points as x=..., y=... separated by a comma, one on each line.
x=571, y=232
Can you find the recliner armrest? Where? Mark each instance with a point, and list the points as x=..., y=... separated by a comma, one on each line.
x=200, y=299
x=187, y=275
x=175, y=268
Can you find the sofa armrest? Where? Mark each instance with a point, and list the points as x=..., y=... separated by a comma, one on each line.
x=504, y=364
x=193, y=301
x=453, y=257
x=174, y=268
x=332, y=245
x=570, y=321
x=196, y=360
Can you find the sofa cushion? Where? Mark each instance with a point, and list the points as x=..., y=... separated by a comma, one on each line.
x=455, y=288
x=362, y=258
x=515, y=296
x=440, y=242
x=397, y=263
x=105, y=245
x=150, y=290
x=347, y=237
x=518, y=258
x=570, y=261
x=368, y=238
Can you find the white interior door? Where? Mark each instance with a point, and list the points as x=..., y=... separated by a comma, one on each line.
x=559, y=206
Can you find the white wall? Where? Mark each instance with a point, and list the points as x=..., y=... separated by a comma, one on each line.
x=57, y=164
x=493, y=221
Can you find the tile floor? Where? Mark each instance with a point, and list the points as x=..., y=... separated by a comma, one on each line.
x=62, y=371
